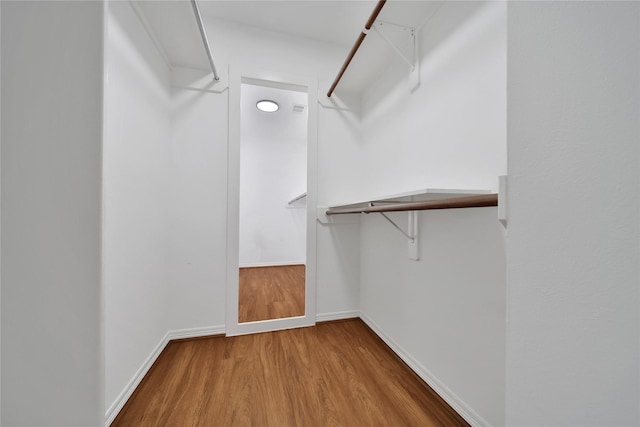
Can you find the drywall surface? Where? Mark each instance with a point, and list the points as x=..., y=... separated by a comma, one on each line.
x=446, y=312
x=340, y=149
x=199, y=213
x=137, y=196
x=450, y=132
x=52, y=109
x=574, y=203
x=338, y=273
x=273, y=171
x=199, y=135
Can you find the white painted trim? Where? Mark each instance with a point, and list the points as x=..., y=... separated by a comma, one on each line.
x=338, y=315
x=454, y=401
x=206, y=331
x=236, y=78
x=271, y=264
x=447, y=395
x=124, y=396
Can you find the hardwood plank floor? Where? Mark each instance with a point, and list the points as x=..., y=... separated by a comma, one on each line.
x=333, y=374
x=271, y=292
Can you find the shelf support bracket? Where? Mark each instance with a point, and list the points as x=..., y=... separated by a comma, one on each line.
x=411, y=33
x=405, y=234
x=412, y=235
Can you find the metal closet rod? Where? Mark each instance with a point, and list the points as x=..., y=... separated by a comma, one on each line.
x=207, y=48
x=295, y=199
x=356, y=46
x=479, y=201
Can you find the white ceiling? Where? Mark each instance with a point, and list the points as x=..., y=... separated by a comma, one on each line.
x=284, y=124
x=332, y=21
x=174, y=26
x=325, y=20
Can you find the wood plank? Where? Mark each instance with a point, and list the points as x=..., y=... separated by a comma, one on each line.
x=334, y=374
x=271, y=292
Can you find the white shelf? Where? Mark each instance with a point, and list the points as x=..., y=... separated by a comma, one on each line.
x=413, y=196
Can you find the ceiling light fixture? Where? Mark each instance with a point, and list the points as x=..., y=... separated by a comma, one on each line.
x=267, y=106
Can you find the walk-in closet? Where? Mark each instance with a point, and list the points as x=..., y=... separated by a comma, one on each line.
x=312, y=192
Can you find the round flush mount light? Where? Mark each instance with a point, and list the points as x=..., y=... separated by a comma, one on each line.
x=267, y=106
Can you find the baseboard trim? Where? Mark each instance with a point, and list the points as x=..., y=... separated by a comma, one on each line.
x=124, y=396
x=269, y=264
x=338, y=315
x=130, y=388
x=206, y=331
x=447, y=395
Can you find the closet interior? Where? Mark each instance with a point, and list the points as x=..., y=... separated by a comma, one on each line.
x=140, y=178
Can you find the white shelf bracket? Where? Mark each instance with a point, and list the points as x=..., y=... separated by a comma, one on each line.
x=408, y=32
x=412, y=235
x=405, y=234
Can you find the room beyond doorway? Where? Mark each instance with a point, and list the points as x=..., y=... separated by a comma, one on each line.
x=272, y=184
x=272, y=215
x=271, y=292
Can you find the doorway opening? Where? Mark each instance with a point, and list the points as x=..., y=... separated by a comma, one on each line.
x=272, y=210
x=271, y=217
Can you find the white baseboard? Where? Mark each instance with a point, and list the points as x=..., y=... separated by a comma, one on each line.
x=117, y=406
x=196, y=332
x=338, y=315
x=269, y=264
x=120, y=401
x=447, y=395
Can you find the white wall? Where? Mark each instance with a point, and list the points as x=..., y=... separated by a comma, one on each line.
x=200, y=125
x=451, y=132
x=339, y=145
x=273, y=170
x=137, y=199
x=574, y=203
x=52, y=110
x=199, y=212
x=446, y=312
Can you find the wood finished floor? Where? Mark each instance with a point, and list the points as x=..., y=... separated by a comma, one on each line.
x=333, y=374
x=271, y=292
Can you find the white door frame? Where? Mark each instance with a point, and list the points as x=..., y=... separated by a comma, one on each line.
x=265, y=78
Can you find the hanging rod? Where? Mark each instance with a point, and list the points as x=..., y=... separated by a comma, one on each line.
x=207, y=48
x=295, y=199
x=356, y=46
x=479, y=201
